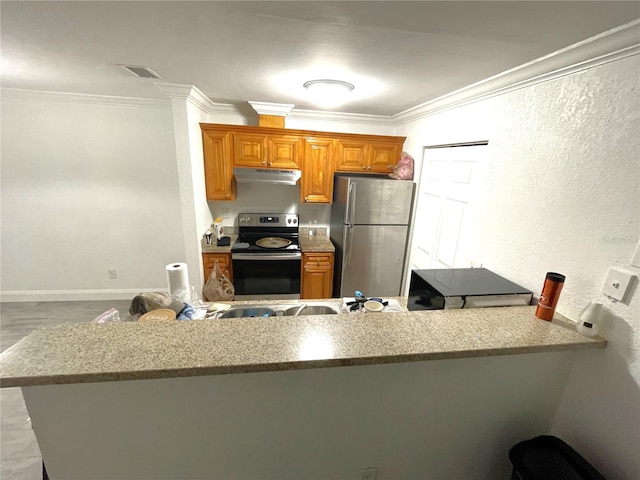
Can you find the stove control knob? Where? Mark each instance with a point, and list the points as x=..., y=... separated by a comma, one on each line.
x=295, y=221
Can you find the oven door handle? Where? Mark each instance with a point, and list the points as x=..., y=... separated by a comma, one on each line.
x=248, y=256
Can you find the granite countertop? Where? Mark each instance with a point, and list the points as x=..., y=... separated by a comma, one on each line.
x=83, y=353
x=316, y=243
x=213, y=248
x=308, y=243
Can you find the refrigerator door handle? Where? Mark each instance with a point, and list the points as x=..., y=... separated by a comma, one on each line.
x=349, y=245
x=351, y=203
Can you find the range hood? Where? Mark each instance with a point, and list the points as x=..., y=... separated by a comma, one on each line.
x=267, y=175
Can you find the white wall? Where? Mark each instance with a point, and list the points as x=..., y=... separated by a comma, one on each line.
x=88, y=184
x=438, y=420
x=560, y=191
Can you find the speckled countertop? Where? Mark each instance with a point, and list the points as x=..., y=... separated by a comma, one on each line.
x=308, y=243
x=316, y=243
x=82, y=353
x=213, y=248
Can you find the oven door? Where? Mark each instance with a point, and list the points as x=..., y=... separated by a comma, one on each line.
x=266, y=275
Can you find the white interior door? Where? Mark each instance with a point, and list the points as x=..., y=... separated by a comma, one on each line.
x=443, y=200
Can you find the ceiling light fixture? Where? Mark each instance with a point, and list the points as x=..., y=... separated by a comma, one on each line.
x=328, y=93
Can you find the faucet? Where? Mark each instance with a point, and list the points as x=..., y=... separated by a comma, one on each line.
x=299, y=309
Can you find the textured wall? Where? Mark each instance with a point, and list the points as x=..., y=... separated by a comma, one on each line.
x=560, y=191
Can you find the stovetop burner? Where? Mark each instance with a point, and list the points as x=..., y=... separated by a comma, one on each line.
x=267, y=232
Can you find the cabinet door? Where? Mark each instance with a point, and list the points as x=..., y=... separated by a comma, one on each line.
x=224, y=260
x=249, y=150
x=218, y=167
x=316, y=183
x=383, y=157
x=351, y=156
x=283, y=151
x=317, y=275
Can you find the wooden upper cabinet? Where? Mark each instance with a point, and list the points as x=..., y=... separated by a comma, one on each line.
x=218, y=166
x=316, y=183
x=266, y=151
x=368, y=155
x=383, y=157
x=249, y=150
x=284, y=151
x=317, y=154
x=351, y=156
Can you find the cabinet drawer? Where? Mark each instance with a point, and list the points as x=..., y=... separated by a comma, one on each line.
x=210, y=259
x=318, y=260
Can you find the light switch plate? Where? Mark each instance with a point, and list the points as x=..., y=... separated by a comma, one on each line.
x=617, y=283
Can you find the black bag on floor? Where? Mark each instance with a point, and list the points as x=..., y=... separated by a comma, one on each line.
x=548, y=458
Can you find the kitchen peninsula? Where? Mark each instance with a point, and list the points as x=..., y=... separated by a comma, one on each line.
x=254, y=397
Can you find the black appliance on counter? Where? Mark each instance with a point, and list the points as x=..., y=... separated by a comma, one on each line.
x=448, y=288
x=266, y=257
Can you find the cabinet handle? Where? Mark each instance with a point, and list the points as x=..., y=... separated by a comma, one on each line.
x=270, y=164
x=228, y=195
x=364, y=167
x=264, y=162
x=369, y=167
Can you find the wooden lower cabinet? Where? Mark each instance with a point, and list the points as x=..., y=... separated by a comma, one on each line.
x=224, y=260
x=316, y=275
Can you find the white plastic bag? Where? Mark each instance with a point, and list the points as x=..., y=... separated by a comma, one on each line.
x=218, y=286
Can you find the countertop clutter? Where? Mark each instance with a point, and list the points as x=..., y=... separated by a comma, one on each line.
x=83, y=353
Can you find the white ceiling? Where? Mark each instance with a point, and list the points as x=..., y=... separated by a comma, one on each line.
x=397, y=54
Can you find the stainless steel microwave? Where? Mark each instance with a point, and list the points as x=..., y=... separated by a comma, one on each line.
x=446, y=288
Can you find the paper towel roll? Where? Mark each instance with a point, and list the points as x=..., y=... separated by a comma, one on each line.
x=177, y=279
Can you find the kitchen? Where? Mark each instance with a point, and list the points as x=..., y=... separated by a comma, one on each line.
x=554, y=154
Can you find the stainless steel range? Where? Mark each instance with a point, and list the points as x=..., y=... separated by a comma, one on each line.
x=266, y=256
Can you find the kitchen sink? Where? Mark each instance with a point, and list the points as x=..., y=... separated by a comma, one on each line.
x=286, y=310
x=316, y=309
x=247, y=311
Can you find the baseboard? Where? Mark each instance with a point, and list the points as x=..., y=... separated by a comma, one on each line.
x=72, y=295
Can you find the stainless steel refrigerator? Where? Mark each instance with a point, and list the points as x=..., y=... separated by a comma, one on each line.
x=369, y=228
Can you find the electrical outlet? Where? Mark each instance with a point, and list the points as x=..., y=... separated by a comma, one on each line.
x=225, y=213
x=113, y=274
x=368, y=473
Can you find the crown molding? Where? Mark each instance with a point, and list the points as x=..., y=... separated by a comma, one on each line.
x=616, y=44
x=341, y=117
x=85, y=98
x=188, y=92
x=276, y=109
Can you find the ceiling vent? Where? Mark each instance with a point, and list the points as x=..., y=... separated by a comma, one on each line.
x=142, y=72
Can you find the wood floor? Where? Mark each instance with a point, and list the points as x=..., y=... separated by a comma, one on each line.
x=19, y=453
